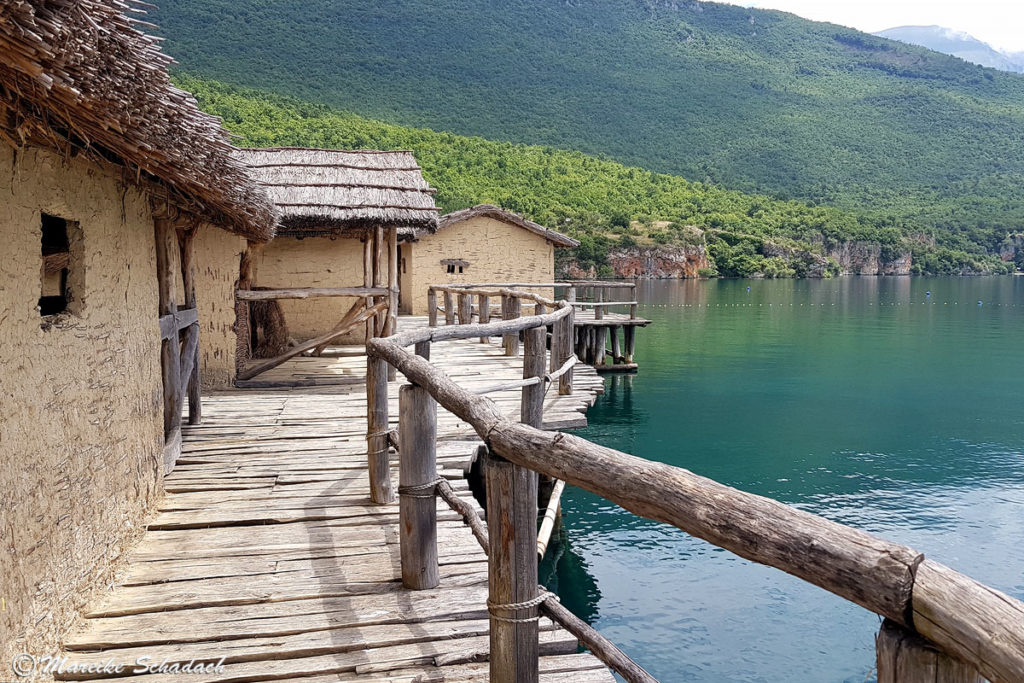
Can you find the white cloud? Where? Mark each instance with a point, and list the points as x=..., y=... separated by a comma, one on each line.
x=997, y=22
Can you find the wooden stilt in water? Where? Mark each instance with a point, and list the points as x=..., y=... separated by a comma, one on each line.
x=629, y=331
x=616, y=350
x=417, y=474
x=600, y=341
x=905, y=657
x=377, y=431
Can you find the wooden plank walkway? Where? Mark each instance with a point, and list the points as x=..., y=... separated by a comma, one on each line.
x=267, y=552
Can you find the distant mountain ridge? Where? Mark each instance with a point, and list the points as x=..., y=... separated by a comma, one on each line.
x=958, y=44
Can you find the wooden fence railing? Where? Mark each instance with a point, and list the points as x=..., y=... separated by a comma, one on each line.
x=939, y=625
x=583, y=294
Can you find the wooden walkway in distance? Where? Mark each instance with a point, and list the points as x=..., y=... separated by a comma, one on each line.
x=267, y=552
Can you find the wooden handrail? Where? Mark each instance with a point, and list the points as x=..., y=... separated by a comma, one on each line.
x=959, y=615
x=611, y=284
x=308, y=293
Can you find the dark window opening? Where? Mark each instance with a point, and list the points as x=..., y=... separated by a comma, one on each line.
x=451, y=268
x=56, y=294
x=460, y=269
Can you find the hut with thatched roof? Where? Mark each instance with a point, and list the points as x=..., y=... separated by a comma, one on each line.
x=484, y=243
x=331, y=273
x=110, y=179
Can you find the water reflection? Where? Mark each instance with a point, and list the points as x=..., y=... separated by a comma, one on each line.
x=891, y=404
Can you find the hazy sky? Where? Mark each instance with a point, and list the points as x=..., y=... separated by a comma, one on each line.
x=997, y=22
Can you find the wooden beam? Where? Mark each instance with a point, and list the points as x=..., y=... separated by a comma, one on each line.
x=417, y=472
x=484, y=313
x=191, y=378
x=368, y=281
x=377, y=458
x=532, y=400
x=392, y=243
x=432, y=307
x=449, y=308
x=308, y=293
x=172, y=323
x=905, y=657
x=465, y=309
x=345, y=324
x=512, y=571
x=511, y=310
x=264, y=365
x=189, y=353
x=379, y=276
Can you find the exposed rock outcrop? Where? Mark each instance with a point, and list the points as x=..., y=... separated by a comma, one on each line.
x=867, y=258
x=661, y=262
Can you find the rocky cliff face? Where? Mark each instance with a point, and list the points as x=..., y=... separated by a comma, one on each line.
x=662, y=262
x=866, y=258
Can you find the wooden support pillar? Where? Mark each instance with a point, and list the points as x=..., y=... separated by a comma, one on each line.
x=600, y=344
x=465, y=309
x=484, y=313
x=510, y=310
x=379, y=276
x=599, y=310
x=432, y=307
x=243, y=332
x=417, y=473
x=368, y=281
x=377, y=431
x=170, y=349
x=423, y=349
x=532, y=403
x=512, y=570
x=906, y=657
x=629, y=332
x=188, y=278
x=570, y=294
x=449, y=308
x=632, y=307
x=616, y=349
x=391, y=324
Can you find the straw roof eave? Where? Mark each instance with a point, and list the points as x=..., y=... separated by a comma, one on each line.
x=78, y=77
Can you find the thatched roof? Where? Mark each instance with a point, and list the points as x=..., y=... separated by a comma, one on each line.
x=78, y=76
x=323, y=191
x=500, y=214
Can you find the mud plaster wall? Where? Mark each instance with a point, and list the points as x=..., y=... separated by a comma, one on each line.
x=81, y=428
x=217, y=257
x=496, y=252
x=288, y=262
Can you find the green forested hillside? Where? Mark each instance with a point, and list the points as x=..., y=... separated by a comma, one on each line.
x=759, y=101
x=593, y=199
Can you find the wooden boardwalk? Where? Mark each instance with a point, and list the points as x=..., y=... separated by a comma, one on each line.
x=266, y=551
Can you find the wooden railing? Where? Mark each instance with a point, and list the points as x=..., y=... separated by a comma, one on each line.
x=939, y=625
x=582, y=294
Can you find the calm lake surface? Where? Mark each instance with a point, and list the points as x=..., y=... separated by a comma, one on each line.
x=864, y=400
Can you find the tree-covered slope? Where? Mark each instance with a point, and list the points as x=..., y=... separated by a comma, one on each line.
x=597, y=200
x=756, y=100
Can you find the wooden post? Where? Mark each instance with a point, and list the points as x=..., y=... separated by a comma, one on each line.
x=905, y=657
x=532, y=403
x=465, y=309
x=512, y=570
x=432, y=307
x=616, y=349
x=423, y=349
x=511, y=307
x=600, y=345
x=629, y=331
x=379, y=275
x=377, y=431
x=391, y=324
x=170, y=349
x=417, y=507
x=565, y=351
x=484, y=313
x=449, y=308
x=242, y=330
x=368, y=281
x=570, y=294
x=188, y=280
x=599, y=310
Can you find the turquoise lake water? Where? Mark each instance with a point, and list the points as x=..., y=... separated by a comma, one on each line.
x=864, y=400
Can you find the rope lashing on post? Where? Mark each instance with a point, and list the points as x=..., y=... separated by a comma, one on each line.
x=390, y=439
x=427, y=490
x=543, y=595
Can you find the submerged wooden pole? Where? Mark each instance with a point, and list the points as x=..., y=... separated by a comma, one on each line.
x=432, y=307
x=629, y=332
x=512, y=571
x=377, y=431
x=616, y=349
x=484, y=313
x=417, y=475
x=600, y=344
x=905, y=657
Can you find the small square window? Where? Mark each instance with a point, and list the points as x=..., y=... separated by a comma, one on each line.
x=61, y=247
x=451, y=268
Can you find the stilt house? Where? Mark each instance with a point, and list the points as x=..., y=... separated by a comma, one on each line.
x=482, y=244
x=109, y=177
